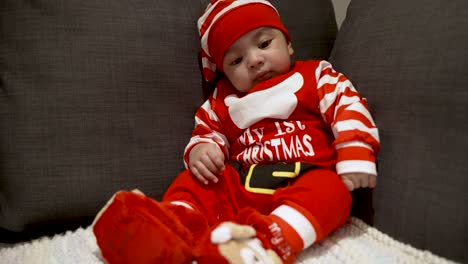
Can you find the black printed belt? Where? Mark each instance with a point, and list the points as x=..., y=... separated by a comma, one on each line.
x=266, y=179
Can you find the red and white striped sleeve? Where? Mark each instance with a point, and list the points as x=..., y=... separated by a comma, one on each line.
x=207, y=129
x=341, y=106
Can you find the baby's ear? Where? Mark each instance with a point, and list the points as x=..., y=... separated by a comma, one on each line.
x=290, y=48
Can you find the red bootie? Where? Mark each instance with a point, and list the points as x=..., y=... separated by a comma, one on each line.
x=230, y=242
x=272, y=234
x=256, y=238
x=133, y=228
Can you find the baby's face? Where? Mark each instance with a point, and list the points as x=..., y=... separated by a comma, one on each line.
x=257, y=56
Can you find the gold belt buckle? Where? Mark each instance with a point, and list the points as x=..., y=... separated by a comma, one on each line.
x=276, y=173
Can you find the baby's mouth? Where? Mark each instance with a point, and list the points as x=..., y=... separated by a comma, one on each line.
x=263, y=76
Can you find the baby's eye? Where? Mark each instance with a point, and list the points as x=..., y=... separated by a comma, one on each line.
x=236, y=61
x=265, y=44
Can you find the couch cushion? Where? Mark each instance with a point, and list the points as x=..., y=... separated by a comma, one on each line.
x=92, y=101
x=98, y=96
x=409, y=58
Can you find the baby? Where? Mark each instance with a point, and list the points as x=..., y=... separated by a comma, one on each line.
x=275, y=152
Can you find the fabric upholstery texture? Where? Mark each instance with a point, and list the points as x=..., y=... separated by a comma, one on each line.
x=98, y=96
x=410, y=60
x=92, y=96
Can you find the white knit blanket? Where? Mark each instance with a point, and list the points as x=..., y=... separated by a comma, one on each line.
x=356, y=242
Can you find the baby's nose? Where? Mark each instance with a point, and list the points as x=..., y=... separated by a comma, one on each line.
x=255, y=60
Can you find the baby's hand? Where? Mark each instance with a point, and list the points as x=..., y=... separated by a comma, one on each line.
x=358, y=180
x=206, y=162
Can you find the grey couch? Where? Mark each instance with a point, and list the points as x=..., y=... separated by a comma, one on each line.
x=97, y=96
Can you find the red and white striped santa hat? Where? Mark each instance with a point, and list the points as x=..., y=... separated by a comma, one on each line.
x=224, y=21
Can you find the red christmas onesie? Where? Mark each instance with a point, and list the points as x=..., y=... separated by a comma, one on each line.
x=303, y=115
x=311, y=115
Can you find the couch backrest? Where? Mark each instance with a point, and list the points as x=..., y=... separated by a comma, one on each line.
x=410, y=59
x=98, y=96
